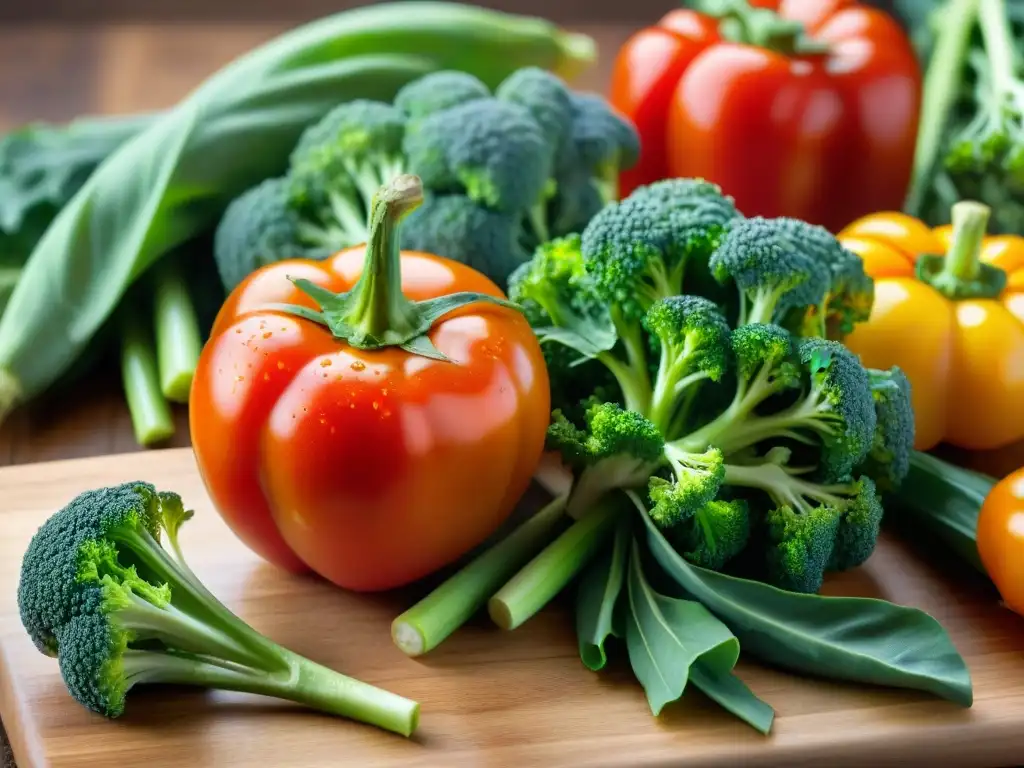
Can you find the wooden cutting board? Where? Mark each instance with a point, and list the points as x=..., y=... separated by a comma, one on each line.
x=488, y=698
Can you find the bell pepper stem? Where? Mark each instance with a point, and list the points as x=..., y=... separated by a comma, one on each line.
x=970, y=223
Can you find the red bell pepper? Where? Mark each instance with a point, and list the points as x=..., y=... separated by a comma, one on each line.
x=802, y=108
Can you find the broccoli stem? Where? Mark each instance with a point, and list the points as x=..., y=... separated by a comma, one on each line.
x=942, y=84
x=994, y=20
x=151, y=415
x=810, y=413
x=632, y=375
x=298, y=679
x=784, y=488
x=178, y=339
x=428, y=623
x=549, y=572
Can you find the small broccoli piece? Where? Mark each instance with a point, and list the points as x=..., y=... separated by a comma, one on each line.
x=491, y=150
x=715, y=534
x=888, y=460
x=337, y=167
x=100, y=592
x=638, y=249
x=773, y=276
x=696, y=480
x=851, y=292
x=694, y=340
x=813, y=528
x=438, y=91
x=457, y=228
x=615, y=449
x=548, y=100
x=258, y=228
x=603, y=142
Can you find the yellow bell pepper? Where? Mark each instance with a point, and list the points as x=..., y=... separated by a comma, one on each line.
x=949, y=311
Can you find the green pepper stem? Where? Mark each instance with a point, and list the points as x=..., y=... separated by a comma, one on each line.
x=740, y=22
x=970, y=223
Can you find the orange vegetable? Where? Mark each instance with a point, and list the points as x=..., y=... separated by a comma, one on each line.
x=949, y=311
x=1001, y=538
x=371, y=417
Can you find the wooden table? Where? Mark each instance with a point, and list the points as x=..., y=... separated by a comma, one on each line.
x=58, y=72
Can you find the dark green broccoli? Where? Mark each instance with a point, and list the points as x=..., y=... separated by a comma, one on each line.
x=337, y=167
x=117, y=609
x=438, y=91
x=888, y=460
x=714, y=534
x=774, y=277
x=602, y=142
x=258, y=228
x=548, y=100
x=455, y=227
x=696, y=479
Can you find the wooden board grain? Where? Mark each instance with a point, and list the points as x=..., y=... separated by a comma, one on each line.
x=488, y=698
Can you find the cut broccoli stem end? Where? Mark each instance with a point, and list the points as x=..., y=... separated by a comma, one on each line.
x=152, y=420
x=301, y=681
x=178, y=338
x=550, y=572
x=434, y=618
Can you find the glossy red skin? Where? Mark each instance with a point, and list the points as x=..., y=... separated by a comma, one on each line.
x=371, y=468
x=825, y=138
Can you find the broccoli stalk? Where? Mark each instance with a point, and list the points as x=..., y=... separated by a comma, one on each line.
x=152, y=420
x=178, y=339
x=100, y=592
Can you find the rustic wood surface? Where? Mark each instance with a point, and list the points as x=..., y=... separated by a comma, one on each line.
x=488, y=698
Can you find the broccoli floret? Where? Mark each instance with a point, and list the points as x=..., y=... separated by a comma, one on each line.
x=438, y=91
x=773, y=276
x=715, y=534
x=258, y=228
x=812, y=528
x=457, y=228
x=548, y=100
x=638, y=249
x=888, y=460
x=603, y=142
x=491, y=150
x=694, y=346
x=117, y=609
x=851, y=292
x=696, y=478
x=337, y=167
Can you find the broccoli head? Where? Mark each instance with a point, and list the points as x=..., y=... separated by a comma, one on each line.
x=548, y=100
x=117, y=609
x=888, y=459
x=258, y=228
x=715, y=534
x=438, y=91
x=696, y=479
x=603, y=142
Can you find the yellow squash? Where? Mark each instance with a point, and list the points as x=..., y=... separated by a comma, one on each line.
x=949, y=311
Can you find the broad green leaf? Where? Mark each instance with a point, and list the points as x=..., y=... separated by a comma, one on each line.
x=732, y=694
x=598, y=597
x=665, y=636
x=851, y=638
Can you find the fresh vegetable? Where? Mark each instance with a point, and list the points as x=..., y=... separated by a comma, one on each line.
x=371, y=417
x=794, y=109
x=725, y=454
x=503, y=172
x=950, y=313
x=173, y=181
x=101, y=594
x=971, y=142
x=1000, y=536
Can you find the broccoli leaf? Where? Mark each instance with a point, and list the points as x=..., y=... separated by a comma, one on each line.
x=733, y=695
x=854, y=638
x=597, y=599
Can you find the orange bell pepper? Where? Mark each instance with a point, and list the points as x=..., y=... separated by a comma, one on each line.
x=949, y=311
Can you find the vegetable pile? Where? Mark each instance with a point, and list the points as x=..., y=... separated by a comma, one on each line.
x=720, y=437
x=100, y=592
x=92, y=209
x=503, y=173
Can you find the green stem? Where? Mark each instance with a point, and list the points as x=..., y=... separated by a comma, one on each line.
x=151, y=414
x=178, y=339
x=428, y=623
x=993, y=18
x=549, y=572
x=970, y=223
x=942, y=84
x=739, y=22
x=304, y=682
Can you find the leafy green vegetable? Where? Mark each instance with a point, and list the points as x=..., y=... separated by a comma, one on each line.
x=596, y=600
x=174, y=180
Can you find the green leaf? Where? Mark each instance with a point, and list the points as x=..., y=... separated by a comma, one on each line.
x=598, y=597
x=665, y=636
x=733, y=695
x=590, y=344
x=850, y=638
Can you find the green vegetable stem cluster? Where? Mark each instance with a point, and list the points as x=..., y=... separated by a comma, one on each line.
x=722, y=442
x=504, y=171
x=90, y=211
x=117, y=609
x=971, y=141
